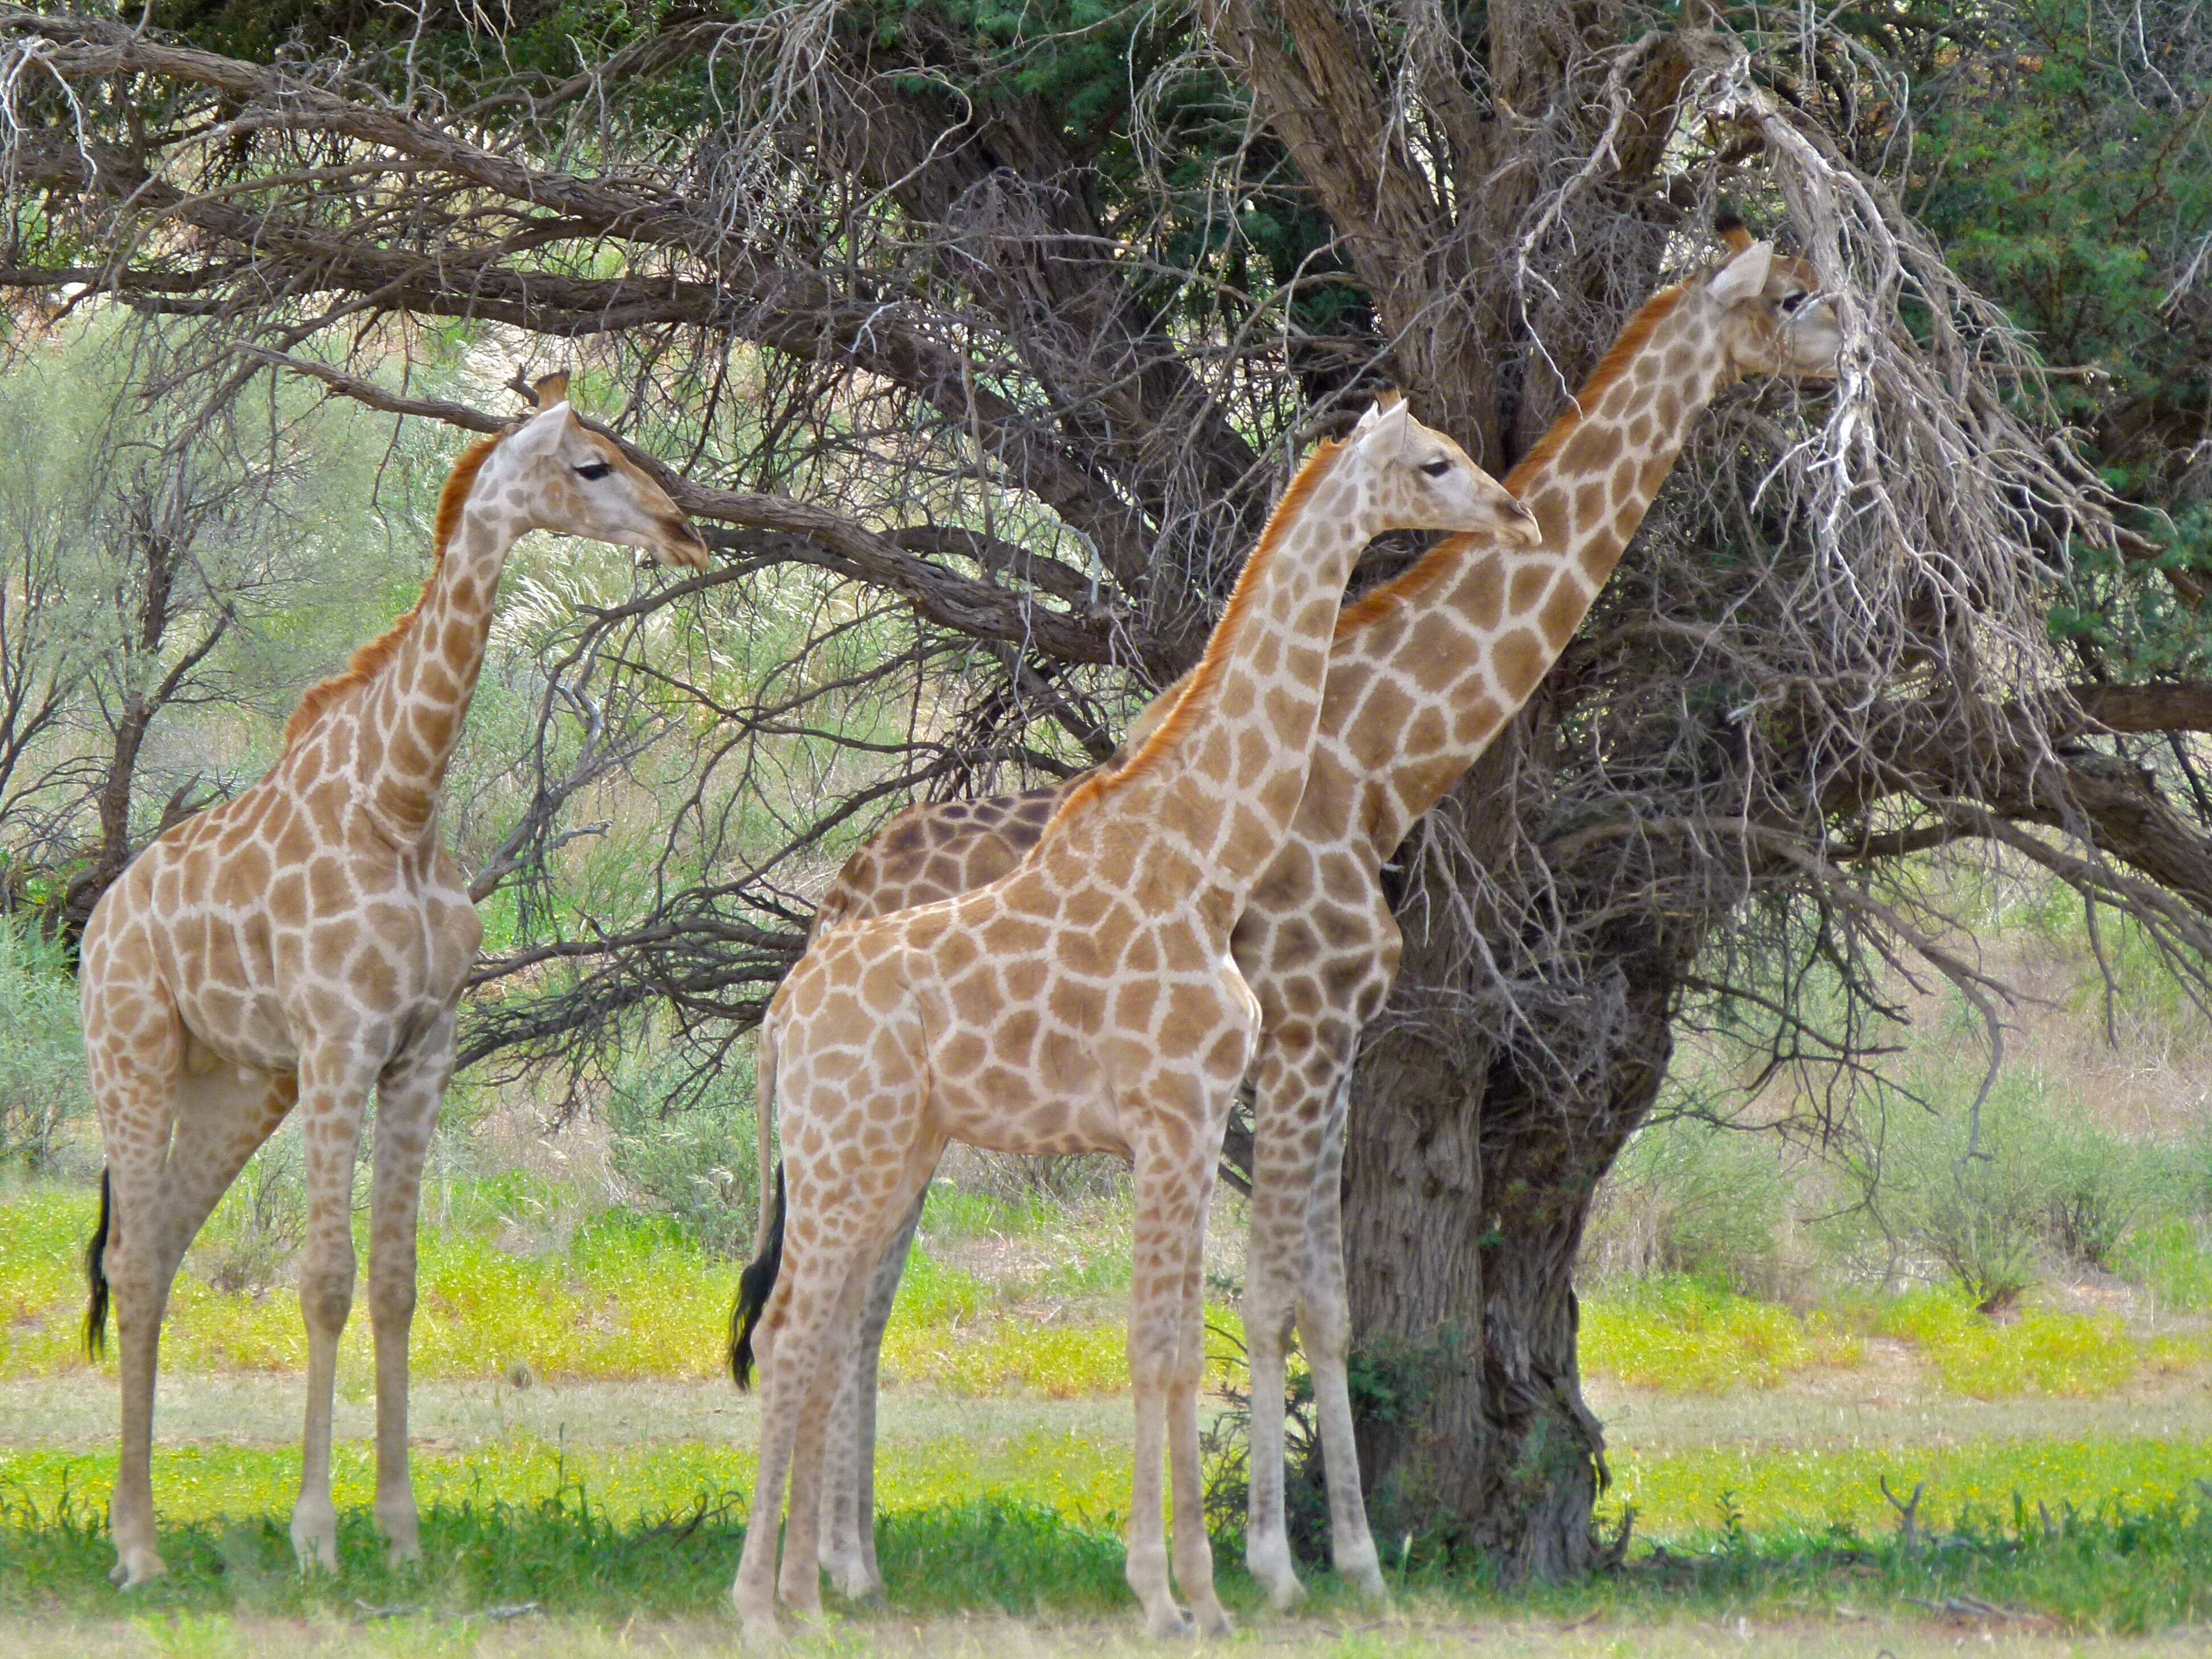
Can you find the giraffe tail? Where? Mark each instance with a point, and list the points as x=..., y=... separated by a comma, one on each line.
x=95, y=1275
x=754, y=1286
x=758, y=1280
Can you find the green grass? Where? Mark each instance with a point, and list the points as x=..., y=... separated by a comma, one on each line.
x=1682, y=1497
x=1686, y=1336
x=631, y=1296
x=2123, y=1543
x=2041, y=1352
x=1779, y=1490
x=1682, y=1335
x=2172, y=1259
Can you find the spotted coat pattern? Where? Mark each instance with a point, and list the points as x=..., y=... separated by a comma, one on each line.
x=1422, y=676
x=1085, y=1001
x=305, y=943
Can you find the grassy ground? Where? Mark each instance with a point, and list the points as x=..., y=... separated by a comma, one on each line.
x=583, y=1471
x=593, y=1504
x=1421, y=1629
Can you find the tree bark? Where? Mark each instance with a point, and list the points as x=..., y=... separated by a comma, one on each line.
x=1474, y=1433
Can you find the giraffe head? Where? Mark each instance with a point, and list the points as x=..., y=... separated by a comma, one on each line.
x=575, y=482
x=1773, y=316
x=1417, y=478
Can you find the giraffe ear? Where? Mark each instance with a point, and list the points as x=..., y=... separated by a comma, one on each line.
x=543, y=431
x=1744, y=277
x=1382, y=428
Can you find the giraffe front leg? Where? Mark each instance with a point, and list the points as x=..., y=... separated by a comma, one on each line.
x=409, y=1097
x=334, y=1083
x=1156, y=1317
x=1194, y=1550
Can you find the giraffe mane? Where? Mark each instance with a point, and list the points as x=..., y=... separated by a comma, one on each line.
x=1426, y=572
x=1197, y=684
x=362, y=666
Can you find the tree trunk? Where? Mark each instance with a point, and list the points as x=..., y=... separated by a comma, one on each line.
x=1473, y=1431
x=1469, y=1172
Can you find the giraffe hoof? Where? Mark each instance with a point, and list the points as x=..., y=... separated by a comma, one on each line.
x=136, y=1567
x=1170, y=1622
x=1366, y=1580
x=315, y=1541
x=1267, y=1558
x=402, y=1532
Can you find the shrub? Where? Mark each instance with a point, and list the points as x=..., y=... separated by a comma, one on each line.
x=251, y=1240
x=2173, y=1259
x=685, y=1147
x=1688, y=1198
x=1977, y=1207
x=42, y=1085
x=2096, y=1188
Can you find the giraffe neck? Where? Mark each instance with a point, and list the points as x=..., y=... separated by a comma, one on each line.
x=411, y=714
x=1484, y=630
x=1224, y=770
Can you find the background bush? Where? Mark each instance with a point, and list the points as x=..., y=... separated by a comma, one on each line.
x=42, y=1085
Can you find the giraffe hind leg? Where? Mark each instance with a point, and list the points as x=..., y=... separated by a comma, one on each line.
x=335, y=1079
x=851, y=1274
x=1325, y=1321
x=1284, y=1151
x=131, y=1055
x=848, y=1510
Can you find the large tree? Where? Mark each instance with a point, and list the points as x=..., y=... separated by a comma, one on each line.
x=983, y=337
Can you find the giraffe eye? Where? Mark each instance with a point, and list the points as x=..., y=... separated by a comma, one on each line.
x=593, y=470
x=1437, y=468
x=1792, y=303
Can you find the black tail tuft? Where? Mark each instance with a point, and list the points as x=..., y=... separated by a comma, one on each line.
x=95, y=1276
x=754, y=1285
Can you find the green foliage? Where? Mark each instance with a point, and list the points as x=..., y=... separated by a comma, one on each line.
x=2069, y=177
x=629, y=1295
x=686, y=1147
x=1687, y=1197
x=2173, y=1259
x=250, y=1242
x=1970, y=1192
x=42, y=1082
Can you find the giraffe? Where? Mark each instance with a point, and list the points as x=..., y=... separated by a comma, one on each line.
x=937, y=851
x=1084, y=1001
x=305, y=943
x=1422, y=674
